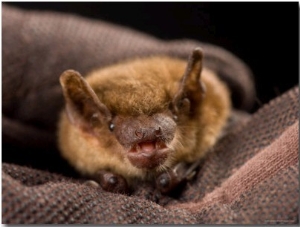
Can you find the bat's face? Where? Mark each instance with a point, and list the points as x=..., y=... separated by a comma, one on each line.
x=136, y=115
x=146, y=139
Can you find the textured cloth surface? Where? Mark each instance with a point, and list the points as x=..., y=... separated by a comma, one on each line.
x=250, y=177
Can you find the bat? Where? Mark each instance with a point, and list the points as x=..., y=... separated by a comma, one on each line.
x=145, y=119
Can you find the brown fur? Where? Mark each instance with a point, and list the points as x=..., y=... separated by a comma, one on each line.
x=145, y=87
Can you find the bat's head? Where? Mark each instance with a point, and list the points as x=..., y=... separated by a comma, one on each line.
x=142, y=121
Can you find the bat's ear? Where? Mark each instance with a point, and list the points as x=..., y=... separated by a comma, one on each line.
x=191, y=89
x=83, y=107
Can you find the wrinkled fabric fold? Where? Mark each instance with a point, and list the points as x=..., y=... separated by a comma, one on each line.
x=249, y=177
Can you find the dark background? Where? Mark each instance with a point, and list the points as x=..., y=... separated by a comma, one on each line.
x=264, y=35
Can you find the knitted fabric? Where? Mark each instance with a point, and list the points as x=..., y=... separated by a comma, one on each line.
x=250, y=176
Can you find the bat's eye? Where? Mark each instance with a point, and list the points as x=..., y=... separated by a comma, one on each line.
x=111, y=126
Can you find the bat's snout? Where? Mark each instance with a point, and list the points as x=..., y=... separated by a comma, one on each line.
x=148, y=154
x=146, y=139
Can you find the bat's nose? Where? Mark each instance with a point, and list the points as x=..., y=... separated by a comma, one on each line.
x=150, y=133
x=133, y=130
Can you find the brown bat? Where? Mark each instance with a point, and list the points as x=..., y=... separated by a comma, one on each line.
x=149, y=119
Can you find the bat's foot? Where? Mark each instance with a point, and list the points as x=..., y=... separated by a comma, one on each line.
x=167, y=181
x=171, y=179
x=111, y=182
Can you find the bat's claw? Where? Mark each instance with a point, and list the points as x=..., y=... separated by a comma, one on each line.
x=91, y=183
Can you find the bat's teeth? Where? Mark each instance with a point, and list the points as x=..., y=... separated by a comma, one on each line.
x=157, y=145
x=148, y=147
x=134, y=148
x=160, y=145
x=137, y=147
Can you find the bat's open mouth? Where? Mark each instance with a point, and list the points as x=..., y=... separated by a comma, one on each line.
x=148, y=146
x=148, y=154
